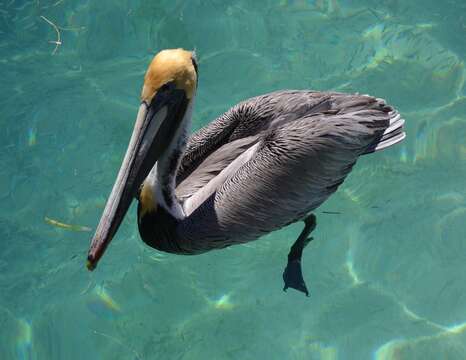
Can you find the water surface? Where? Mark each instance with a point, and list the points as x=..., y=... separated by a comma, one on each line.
x=386, y=274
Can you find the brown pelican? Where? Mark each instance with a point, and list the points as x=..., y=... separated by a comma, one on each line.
x=267, y=162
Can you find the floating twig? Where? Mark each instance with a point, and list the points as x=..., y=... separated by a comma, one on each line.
x=58, y=41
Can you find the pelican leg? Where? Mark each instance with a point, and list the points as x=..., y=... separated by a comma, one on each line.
x=293, y=275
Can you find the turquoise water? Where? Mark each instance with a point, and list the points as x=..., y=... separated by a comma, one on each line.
x=386, y=274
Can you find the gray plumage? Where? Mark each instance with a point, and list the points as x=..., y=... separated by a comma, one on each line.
x=270, y=160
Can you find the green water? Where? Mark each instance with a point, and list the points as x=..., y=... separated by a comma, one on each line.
x=386, y=274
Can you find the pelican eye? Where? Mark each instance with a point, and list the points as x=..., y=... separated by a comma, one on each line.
x=167, y=87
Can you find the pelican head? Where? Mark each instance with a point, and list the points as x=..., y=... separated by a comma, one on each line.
x=169, y=86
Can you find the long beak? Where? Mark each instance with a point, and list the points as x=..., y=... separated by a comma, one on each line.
x=155, y=127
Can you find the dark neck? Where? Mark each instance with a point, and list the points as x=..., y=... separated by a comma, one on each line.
x=157, y=226
x=162, y=179
x=165, y=178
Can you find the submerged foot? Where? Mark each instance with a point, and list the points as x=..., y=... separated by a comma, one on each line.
x=293, y=275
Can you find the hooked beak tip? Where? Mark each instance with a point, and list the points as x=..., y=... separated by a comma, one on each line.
x=90, y=264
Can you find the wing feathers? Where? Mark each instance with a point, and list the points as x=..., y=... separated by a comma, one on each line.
x=280, y=156
x=392, y=135
x=212, y=165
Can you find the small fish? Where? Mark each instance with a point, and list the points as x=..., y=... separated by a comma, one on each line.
x=101, y=304
x=70, y=227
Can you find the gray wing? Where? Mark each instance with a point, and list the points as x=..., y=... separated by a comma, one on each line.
x=210, y=150
x=249, y=118
x=295, y=167
x=212, y=165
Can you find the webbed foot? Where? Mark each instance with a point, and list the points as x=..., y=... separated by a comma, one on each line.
x=293, y=275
